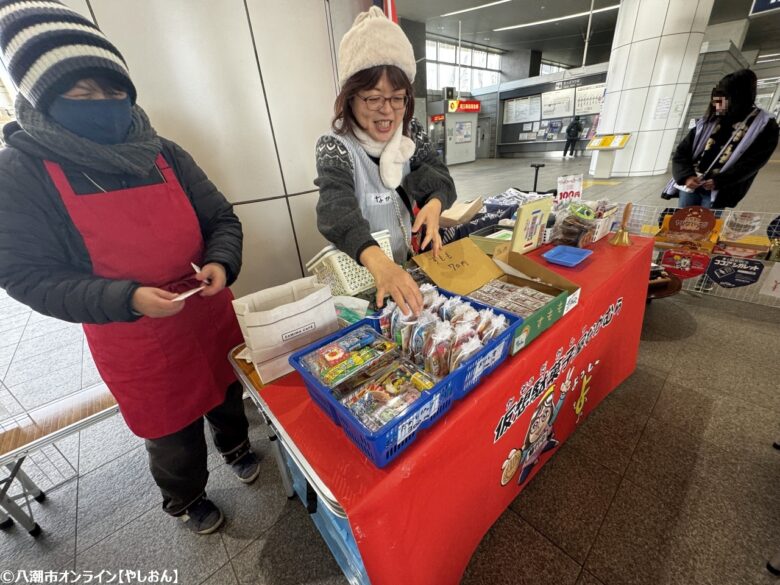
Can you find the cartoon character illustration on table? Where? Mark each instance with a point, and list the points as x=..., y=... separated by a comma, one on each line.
x=540, y=437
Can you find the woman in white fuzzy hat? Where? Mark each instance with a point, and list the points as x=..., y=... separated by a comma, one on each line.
x=377, y=162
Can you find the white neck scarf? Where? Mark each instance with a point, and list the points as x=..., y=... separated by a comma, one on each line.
x=393, y=155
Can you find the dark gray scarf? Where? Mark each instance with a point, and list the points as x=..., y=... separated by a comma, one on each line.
x=135, y=156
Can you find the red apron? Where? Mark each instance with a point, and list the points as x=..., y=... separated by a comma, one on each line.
x=164, y=373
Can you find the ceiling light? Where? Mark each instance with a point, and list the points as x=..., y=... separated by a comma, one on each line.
x=770, y=55
x=569, y=17
x=766, y=61
x=475, y=8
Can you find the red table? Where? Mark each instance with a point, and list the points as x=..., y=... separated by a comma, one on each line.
x=419, y=520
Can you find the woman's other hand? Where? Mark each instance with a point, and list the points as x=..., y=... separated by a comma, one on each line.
x=393, y=280
x=429, y=217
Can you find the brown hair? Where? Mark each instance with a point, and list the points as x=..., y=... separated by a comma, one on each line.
x=344, y=120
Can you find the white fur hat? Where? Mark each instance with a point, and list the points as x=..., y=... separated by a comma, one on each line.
x=375, y=40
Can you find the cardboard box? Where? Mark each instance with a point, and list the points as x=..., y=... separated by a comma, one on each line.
x=694, y=228
x=531, y=224
x=277, y=321
x=462, y=268
x=460, y=212
x=490, y=237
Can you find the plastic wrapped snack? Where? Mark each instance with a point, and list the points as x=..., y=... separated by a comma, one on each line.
x=437, y=350
x=486, y=317
x=385, y=318
x=420, y=334
x=463, y=352
x=429, y=295
x=449, y=307
x=575, y=226
x=402, y=327
x=388, y=394
x=498, y=325
x=346, y=356
x=468, y=315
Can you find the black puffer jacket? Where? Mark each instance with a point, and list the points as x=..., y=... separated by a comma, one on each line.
x=734, y=183
x=43, y=260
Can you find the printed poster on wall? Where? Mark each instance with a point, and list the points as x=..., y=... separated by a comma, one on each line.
x=590, y=99
x=558, y=104
x=462, y=132
x=771, y=286
x=732, y=272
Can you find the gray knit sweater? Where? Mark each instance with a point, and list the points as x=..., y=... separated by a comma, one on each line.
x=339, y=218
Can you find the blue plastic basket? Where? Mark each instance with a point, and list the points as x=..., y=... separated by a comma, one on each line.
x=387, y=443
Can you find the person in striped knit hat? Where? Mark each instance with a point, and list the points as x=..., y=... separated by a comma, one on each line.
x=100, y=222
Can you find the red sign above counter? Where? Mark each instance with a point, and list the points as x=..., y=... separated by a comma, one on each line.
x=467, y=106
x=437, y=118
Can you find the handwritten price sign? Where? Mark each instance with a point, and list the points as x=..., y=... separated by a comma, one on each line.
x=569, y=189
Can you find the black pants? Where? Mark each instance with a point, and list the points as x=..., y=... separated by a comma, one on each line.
x=570, y=146
x=178, y=461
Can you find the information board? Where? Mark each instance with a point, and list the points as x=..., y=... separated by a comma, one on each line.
x=590, y=98
x=524, y=109
x=558, y=104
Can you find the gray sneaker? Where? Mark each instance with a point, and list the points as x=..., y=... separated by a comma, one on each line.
x=203, y=517
x=246, y=467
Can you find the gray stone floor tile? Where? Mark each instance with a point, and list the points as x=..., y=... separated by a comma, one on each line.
x=223, y=576
x=643, y=542
x=291, y=552
x=9, y=405
x=48, y=388
x=89, y=373
x=43, y=344
x=156, y=541
x=48, y=326
x=104, y=442
x=249, y=510
x=588, y=579
x=665, y=320
x=132, y=493
x=513, y=553
x=640, y=391
x=28, y=369
x=567, y=501
x=702, y=482
x=609, y=435
x=11, y=336
x=7, y=354
x=54, y=464
x=10, y=323
x=660, y=356
x=735, y=426
x=12, y=308
x=55, y=546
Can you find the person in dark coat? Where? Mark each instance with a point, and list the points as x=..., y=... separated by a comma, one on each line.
x=717, y=161
x=101, y=222
x=573, y=132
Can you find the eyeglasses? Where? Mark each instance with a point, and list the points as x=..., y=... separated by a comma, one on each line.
x=377, y=102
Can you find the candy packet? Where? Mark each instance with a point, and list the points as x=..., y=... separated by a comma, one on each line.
x=437, y=350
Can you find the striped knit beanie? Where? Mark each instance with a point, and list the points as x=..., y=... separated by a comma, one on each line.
x=47, y=47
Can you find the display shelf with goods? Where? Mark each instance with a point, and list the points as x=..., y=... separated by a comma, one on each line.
x=745, y=240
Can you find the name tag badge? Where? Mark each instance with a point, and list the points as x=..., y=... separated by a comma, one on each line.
x=380, y=198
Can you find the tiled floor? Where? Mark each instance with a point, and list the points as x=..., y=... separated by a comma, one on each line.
x=672, y=481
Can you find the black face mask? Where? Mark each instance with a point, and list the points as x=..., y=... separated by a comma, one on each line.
x=102, y=121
